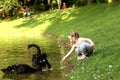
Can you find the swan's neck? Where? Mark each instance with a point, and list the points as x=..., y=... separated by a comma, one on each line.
x=38, y=49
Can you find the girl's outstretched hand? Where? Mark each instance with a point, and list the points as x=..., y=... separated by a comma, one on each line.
x=62, y=60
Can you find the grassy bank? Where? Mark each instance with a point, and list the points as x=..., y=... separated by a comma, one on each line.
x=99, y=22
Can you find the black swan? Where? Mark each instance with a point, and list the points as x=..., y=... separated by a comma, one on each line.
x=38, y=62
x=39, y=59
x=18, y=69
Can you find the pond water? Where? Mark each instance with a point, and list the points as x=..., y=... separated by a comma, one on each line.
x=12, y=52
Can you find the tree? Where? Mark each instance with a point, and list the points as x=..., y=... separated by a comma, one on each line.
x=8, y=4
x=115, y=0
x=8, y=7
x=48, y=1
x=59, y=4
x=89, y=2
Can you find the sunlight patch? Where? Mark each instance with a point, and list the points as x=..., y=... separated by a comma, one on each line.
x=71, y=18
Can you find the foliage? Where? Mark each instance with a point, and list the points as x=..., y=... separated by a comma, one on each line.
x=8, y=4
x=8, y=8
x=101, y=1
x=80, y=2
x=76, y=2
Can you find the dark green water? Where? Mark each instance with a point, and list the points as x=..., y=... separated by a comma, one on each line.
x=12, y=52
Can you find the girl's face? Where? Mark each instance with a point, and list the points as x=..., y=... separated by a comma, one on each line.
x=72, y=39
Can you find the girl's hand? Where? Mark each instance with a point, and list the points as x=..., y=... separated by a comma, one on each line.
x=51, y=68
x=62, y=60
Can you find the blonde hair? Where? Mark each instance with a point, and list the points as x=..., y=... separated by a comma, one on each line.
x=74, y=34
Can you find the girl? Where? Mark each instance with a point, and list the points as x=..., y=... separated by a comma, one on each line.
x=82, y=46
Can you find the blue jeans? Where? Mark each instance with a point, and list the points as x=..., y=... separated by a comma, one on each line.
x=84, y=48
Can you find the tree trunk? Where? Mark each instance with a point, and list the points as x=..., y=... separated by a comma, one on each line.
x=48, y=1
x=35, y=2
x=89, y=2
x=59, y=4
x=114, y=0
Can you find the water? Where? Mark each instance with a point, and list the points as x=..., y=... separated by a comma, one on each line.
x=12, y=52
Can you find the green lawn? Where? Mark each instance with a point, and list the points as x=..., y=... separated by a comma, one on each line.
x=99, y=22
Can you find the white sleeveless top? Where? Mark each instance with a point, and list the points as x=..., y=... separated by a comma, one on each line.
x=81, y=44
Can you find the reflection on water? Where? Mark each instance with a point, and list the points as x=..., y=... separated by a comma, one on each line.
x=12, y=52
x=33, y=76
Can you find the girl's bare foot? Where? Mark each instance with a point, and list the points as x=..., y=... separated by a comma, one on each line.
x=81, y=57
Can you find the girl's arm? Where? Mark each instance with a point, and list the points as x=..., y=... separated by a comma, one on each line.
x=70, y=52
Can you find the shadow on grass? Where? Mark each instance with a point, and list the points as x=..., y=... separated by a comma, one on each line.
x=54, y=17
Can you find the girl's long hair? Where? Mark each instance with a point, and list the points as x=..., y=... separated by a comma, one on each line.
x=73, y=34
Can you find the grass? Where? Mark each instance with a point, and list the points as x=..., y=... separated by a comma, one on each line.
x=99, y=22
